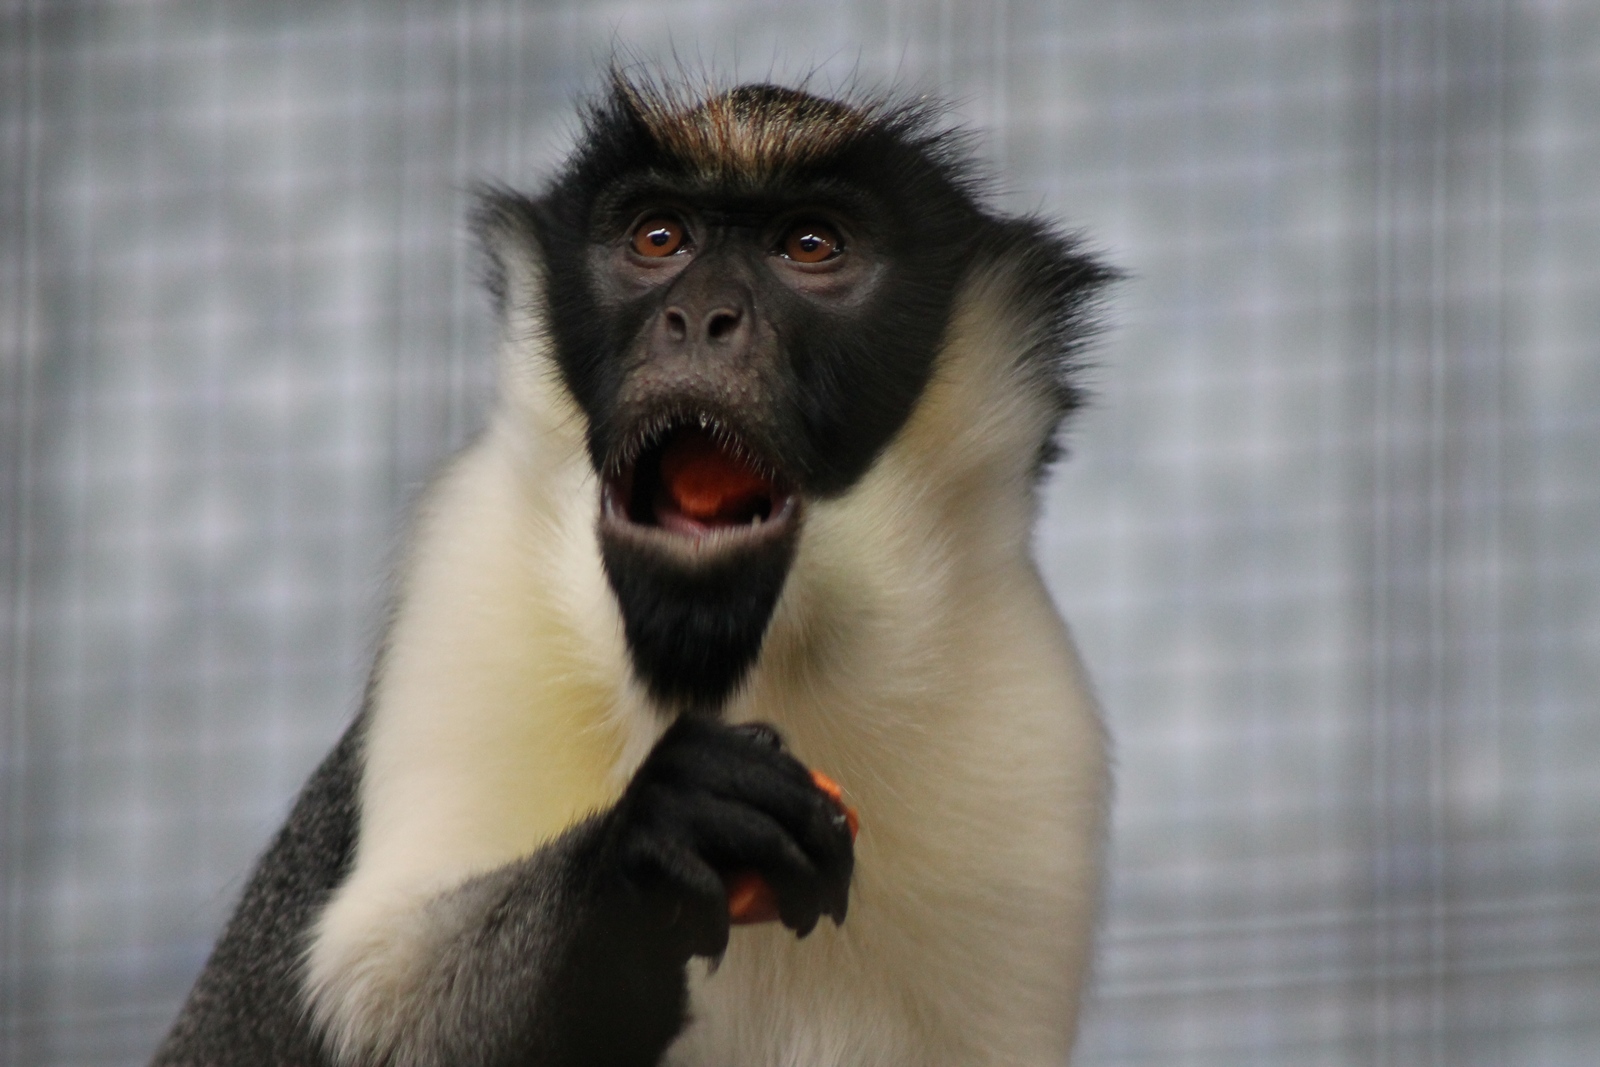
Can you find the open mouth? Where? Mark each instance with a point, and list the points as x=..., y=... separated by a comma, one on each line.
x=697, y=533
x=697, y=482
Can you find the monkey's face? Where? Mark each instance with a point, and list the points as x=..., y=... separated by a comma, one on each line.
x=744, y=336
x=728, y=314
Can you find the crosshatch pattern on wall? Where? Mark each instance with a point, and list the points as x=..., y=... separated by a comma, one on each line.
x=1326, y=537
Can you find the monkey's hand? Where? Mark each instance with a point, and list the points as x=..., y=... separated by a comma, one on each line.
x=712, y=801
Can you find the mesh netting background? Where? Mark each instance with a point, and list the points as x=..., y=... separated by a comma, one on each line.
x=1330, y=538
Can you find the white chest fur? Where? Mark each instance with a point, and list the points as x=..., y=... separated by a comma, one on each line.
x=914, y=657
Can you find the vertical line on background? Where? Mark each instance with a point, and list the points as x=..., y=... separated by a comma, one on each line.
x=27, y=115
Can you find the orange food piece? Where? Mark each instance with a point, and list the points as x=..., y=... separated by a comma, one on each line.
x=835, y=794
x=750, y=898
x=707, y=484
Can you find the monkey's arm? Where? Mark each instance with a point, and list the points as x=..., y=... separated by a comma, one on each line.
x=574, y=955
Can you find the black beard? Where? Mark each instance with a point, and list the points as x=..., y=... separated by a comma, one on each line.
x=695, y=621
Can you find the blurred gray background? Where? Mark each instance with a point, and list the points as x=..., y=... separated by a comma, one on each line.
x=1330, y=538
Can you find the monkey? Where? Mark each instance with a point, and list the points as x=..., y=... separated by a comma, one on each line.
x=777, y=391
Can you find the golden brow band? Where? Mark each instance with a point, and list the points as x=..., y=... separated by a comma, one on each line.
x=751, y=133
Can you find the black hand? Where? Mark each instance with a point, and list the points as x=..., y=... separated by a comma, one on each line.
x=711, y=800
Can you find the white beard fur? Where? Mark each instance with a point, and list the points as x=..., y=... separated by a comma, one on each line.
x=914, y=656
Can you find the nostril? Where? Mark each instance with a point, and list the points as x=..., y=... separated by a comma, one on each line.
x=721, y=322
x=677, y=324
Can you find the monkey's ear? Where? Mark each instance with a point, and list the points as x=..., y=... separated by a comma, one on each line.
x=506, y=224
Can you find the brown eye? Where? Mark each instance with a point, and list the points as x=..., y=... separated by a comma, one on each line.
x=658, y=237
x=812, y=242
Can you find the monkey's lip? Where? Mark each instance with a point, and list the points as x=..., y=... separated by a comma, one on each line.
x=695, y=484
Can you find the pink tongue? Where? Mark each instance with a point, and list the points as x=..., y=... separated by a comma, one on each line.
x=707, y=486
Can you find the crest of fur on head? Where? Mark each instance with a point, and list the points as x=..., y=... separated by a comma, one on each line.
x=759, y=130
x=751, y=131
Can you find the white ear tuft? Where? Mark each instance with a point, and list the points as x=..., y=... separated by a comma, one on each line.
x=505, y=224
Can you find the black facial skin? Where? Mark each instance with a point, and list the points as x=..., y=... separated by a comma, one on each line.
x=840, y=351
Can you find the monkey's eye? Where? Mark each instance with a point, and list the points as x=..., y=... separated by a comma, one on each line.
x=811, y=242
x=660, y=236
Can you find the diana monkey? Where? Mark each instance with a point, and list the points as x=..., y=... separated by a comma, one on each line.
x=777, y=389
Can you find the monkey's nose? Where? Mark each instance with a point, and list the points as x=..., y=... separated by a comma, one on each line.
x=721, y=326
